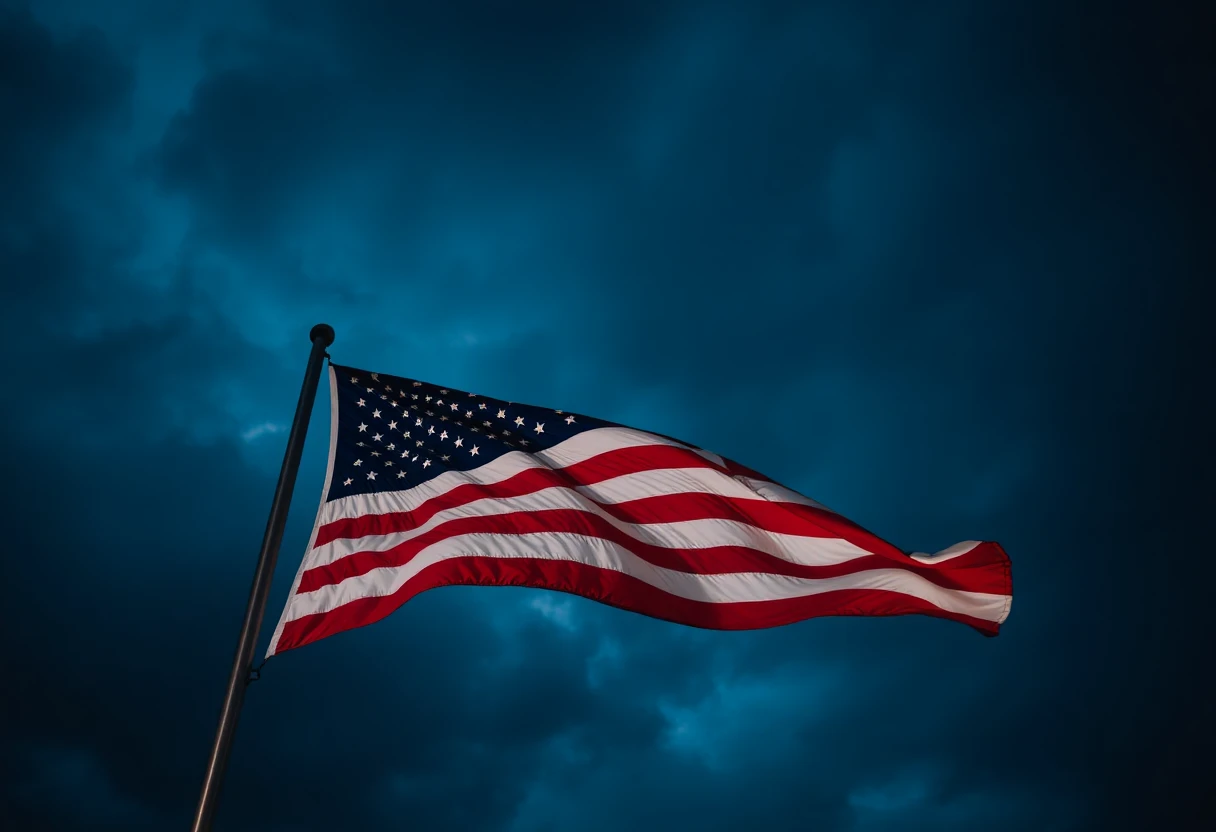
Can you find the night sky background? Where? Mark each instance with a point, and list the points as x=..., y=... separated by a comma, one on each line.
x=963, y=246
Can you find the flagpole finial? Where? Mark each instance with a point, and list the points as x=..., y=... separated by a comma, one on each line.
x=324, y=333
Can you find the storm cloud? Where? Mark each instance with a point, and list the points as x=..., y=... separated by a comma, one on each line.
x=943, y=267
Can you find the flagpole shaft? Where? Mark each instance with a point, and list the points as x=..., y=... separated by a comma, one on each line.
x=322, y=335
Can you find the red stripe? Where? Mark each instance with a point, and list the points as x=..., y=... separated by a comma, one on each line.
x=787, y=518
x=829, y=519
x=973, y=572
x=601, y=467
x=661, y=508
x=619, y=590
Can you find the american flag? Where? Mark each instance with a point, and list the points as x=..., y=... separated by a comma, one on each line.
x=429, y=486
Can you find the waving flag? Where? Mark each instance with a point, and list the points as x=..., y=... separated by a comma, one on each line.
x=429, y=486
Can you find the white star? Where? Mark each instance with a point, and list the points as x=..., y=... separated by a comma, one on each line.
x=485, y=424
x=558, y=412
x=371, y=475
x=473, y=450
x=361, y=444
x=358, y=462
x=376, y=413
x=384, y=397
x=392, y=425
x=354, y=379
x=371, y=389
x=348, y=480
x=418, y=422
x=400, y=474
x=540, y=427
x=428, y=398
x=362, y=427
x=443, y=436
x=392, y=404
x=569, y=420
x=361, y=403
x=375, y=376
x=445, y=392
x=439, y=402
x=445, y=457
x=390, y=447
x=404, y=454
x=455, y=406
x=519, y=420
x=414, y=396
x=406, y=434
x=418, y=443
x=459, y=441
x=506, y=433
x=414, y=458
x=388, y=463
x=502, y=414
x=523, y=441
x=430, y=431
x=482, y=406
x=468, y=414
x=375, y=453
x=417, y=383
x=426, y=463
x=378, y=437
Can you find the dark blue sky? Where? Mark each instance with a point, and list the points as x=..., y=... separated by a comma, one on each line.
x=965, y=246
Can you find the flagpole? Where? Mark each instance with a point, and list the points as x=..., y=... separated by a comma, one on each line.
x=322, y=335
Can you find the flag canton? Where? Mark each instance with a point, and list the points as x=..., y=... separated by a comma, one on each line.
x=394, y=433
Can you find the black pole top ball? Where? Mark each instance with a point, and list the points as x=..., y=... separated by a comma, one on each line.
x=323, y=333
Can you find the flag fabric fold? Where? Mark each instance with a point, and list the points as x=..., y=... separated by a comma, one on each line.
x=428, y=486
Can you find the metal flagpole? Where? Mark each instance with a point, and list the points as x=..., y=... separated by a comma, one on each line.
x=322, y=335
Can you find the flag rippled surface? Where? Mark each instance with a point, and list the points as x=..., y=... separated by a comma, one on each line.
x=429, y=486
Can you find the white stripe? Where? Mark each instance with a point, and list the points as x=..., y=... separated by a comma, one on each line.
x=684, y=534
x=591, y=443
x=946, y=554
x=316, y=526
x=593, y=551
x=627, y=487
x=710, y=455
x=578, y=448
x=661, y=481
x=779, y=493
